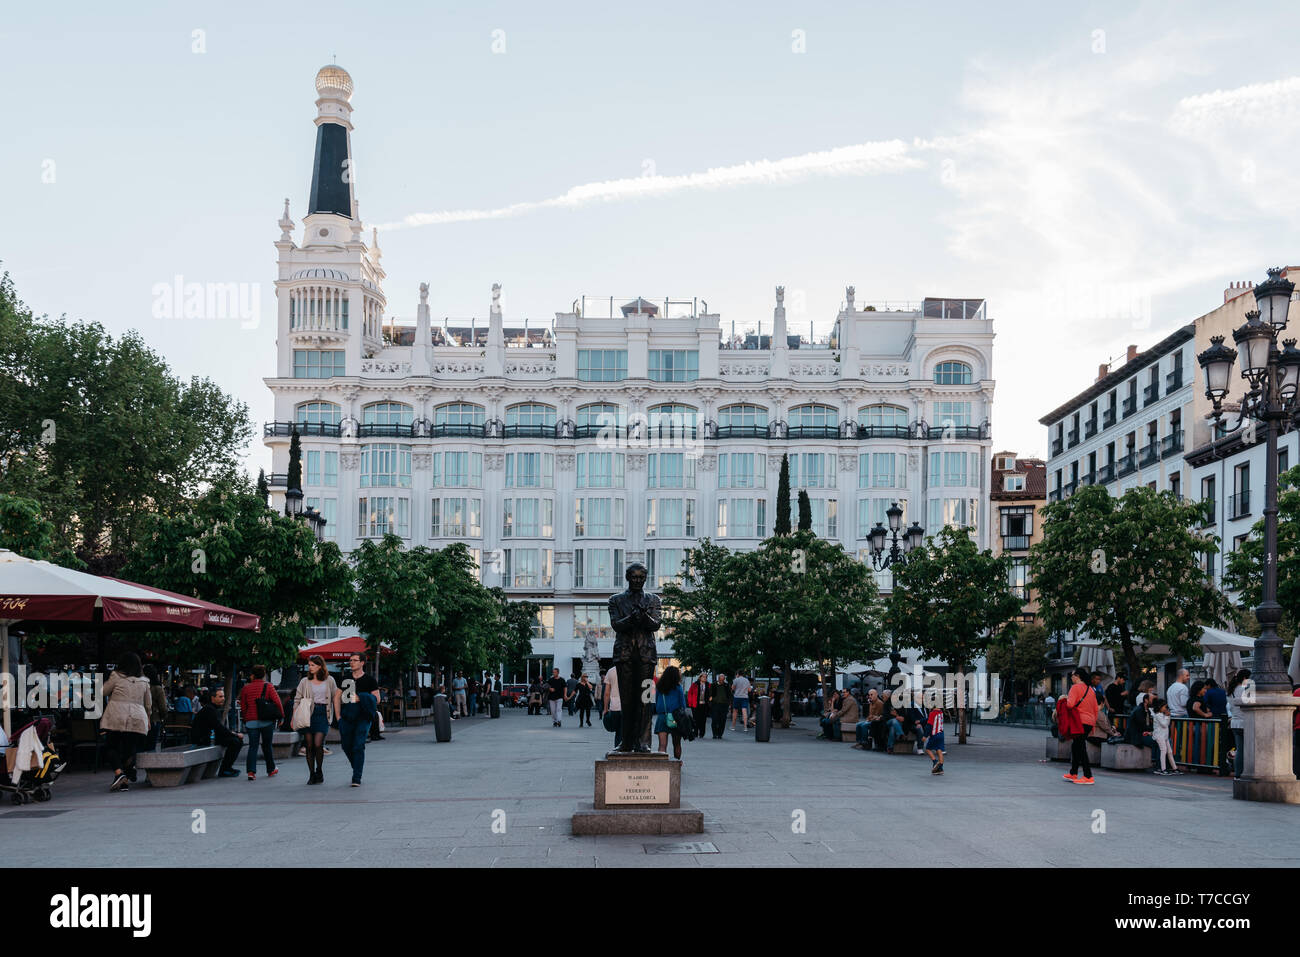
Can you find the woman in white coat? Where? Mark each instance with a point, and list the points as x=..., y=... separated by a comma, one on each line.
x=126, y=719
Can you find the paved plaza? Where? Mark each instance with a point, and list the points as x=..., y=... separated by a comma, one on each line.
x=430, y=804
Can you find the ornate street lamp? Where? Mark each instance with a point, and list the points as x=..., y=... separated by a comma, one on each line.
x=1273, y=375
x=900, y=546
x=293, y=502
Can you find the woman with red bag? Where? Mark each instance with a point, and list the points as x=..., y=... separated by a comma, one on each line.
x=1076, y=714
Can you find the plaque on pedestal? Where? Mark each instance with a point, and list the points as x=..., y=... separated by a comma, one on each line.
x=638, y=794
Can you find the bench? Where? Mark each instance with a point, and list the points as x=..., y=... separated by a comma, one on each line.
x=1058, y=749
x=1125, y=757
x=417, y=716
x=176, y=766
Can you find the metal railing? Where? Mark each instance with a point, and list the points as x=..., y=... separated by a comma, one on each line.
x=1171, y=444
x=1108, y=418
x=1129, y=406
x=1106, y=473
x=1239, y=504
x=1149, y=456
x=1058, y=446
x=1150, y=394
x=1072, y=437
x=327, y=429
x=1127, y=464
x=1090, y=428
x=1174, y=380
x=1015, y=543
x=388, y=430
x=611, y=307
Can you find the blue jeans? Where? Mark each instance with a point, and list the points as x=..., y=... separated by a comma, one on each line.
x=260, y=731
x=353, y=736
x=862, y=732
x=1149, y=741
x=894, y=731
x=831, y=729
x=473, y=699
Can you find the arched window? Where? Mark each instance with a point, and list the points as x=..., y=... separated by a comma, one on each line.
x=742, y=416
x=318, y=413
x=814, y=417
x=387, y=413
x=952, y=373
x=883, y=416
x=530, y=413
x=600, y=414
x=459, y=413
x=671, y=417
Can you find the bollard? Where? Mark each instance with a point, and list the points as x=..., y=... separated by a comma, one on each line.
x=494, y=707
x=763, y=719
x=441, y=718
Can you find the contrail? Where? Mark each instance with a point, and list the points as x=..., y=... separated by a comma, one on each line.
x=886, y=156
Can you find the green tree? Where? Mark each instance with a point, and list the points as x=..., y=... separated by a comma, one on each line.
x=396, y=599
x=805, y=511
x=511, y=639
x=295, y=461
x=798, y=599
x=25, y=532
x=1030, y=648
x=229, y=548
x=263, y=490
x=100, y=432
x=1243, y=571
x=782, y=524
x=1127, y=571
x=692, y=610
x=950, y=598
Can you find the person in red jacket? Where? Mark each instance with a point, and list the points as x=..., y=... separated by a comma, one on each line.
x=1084, y=701
x=260, y=729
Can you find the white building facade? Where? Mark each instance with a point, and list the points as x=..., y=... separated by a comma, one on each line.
x=619, y=430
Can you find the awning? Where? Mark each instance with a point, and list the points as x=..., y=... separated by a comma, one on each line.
x=338, y=649
x=213, y=615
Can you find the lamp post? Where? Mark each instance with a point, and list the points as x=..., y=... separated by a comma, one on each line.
x=899, y=546
x=1272, y=375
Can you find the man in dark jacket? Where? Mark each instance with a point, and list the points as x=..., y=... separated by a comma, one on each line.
x=1138, y=731
x=1117, y=696
x=208, y=729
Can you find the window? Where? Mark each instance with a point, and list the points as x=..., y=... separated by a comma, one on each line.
x=319, y=413
x=526, y=568
x=742, y=416
x=601, y=415
x=456, y=518
x=544, y=624
x=459, y=413
x=530, y=414
x=670, y=470
x=951, y=414
x=956, y=512
x=386, y=465
x=1013, y=483
x=328, y=508
x=387, y=413
x=317, y=363
x=378, y=516
x=674, y=365
x=593, y=621
x=825, y=518
x=599, y=469
x=322, y=468
x=811, y=470
x=952, y=373
x=602, y=365
x=597, y=567
x=742, y=470
x=598, y=518
x=814, y=417
x=742, y=518
x=1007, y=463
x=949, y=469
x=664, y=565
x=670, y=518
x=1283, y=460
x=1017, y=526
x=872, y=510
x=530, y=470
x=528, y=518
x=458, y=469
x=1018, y=578
x=892, y=416
x=672, y=419
x=882, y=470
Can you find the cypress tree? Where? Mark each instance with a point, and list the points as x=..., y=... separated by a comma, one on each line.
x=295, y=462
x=263, y=490
x=805, y=511
x=782, y=524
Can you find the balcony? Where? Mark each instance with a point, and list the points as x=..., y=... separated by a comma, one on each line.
x=529, y=431
x=1108, y=418
x=949, y=432
x=1174, y=380
x=1172, y=444
x=1058, y=446
x=387, y=430
x=1106, y=474
x=1015, y=543
x=813, y=432
x=884, y=432
x=1239, y=505
x=1072, y=437
x=286, y=429
x=277, y=480
x=600, y=431
x=1054, y=495
x=1070, y=488
x=1089, y=478
x=742, y=432
x=1149, y=455
x=1090, y=428
x=1129, y=406
x=1150, y=394
x=453, y=430
x=1127, y=464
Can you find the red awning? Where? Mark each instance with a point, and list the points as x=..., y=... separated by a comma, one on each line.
x=212, y=615
x=338, y=649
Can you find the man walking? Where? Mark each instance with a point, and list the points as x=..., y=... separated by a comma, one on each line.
x=459, y=689
x=557, y=694
x=355, y=704
x=740, y=702
x=571, y=692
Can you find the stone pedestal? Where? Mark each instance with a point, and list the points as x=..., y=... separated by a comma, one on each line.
x=637, y=794
x=1268, y=773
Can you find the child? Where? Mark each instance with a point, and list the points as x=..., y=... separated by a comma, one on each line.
x=1160, y=732
x=934, y=743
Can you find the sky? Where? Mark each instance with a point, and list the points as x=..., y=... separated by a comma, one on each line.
x=1098, y=173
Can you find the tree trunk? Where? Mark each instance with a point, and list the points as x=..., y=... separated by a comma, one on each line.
x=787, y=679
x=230, y=691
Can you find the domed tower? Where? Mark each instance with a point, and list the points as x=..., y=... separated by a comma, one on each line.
x=332, y=171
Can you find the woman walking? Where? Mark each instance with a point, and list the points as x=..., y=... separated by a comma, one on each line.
x=126, y=718
x=1083, y=703
x=260, y=702
x=318, y=688
x=718, y=706
x=583, y=692
x=1237, y=718
x=669, y=697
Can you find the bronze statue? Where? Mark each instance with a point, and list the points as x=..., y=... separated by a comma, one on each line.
x=635, y=615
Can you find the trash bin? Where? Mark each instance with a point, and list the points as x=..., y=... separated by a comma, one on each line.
x=441, y=718
x=763, y=719
x=494, y=708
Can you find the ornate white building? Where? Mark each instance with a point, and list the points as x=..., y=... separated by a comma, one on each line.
x=621, y=430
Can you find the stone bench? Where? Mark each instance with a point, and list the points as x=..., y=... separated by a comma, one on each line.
x=1125, y=757
x=283, y=743
x=173, y=767
x=417, y=716
x=1058, y=749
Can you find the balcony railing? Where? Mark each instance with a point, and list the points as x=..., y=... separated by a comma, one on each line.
x=1127, y=464
x=813, y=432
x=1174, y=380
x=1150, y=394
x=304, y=428
x=278, y=480
x=1054, y=495
x=1070, y=488
x=1211, y=509
x=884, y=432
x=1058, y=446
x=1106, y=473
x=590, y=431
x=1108, y=418
x=1172, y=444
x=1149, y=456
x=940, y=432
x=1015, y=543
x=387, y=430
x=741, y=432
x=1072, y=437
x=1239, y=505
x=1088, y=478
x=529, y=431
x=1090, y=428
x=1129, y=406
x=457, y=429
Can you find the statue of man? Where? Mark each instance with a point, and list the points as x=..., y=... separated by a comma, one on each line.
x=636, y=616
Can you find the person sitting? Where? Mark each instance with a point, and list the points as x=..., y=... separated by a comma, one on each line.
x=875, y=711
x=845, y=710
x=209, y=728
x=1139, y=730
x=880, y=727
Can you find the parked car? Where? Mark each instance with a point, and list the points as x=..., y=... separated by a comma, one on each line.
x=514, y=695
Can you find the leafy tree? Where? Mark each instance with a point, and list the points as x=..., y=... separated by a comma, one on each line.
x=100, y=432
x=1032, y=651
x=24, y=531
x=295, y=461
x=805, y=511
x=949, y=599
x=1243, y=571
x=229, y=548
x=263, y=490
x=1127, y=571
x=798, y=599
x=692, y=610
x=396, y=599
x=782, y=524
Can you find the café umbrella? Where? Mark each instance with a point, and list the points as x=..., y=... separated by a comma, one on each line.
x=40, y=593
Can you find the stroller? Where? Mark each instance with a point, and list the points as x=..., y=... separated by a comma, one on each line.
x=41, y=764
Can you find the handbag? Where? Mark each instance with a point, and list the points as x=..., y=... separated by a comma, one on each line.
x=302, y=712
x=612, y=720
x=266, y=709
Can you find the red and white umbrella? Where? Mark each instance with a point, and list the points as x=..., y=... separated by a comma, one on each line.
x=338, y=649
x=35, y=592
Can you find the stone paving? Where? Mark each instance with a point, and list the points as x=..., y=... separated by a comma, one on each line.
x=430, y=804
